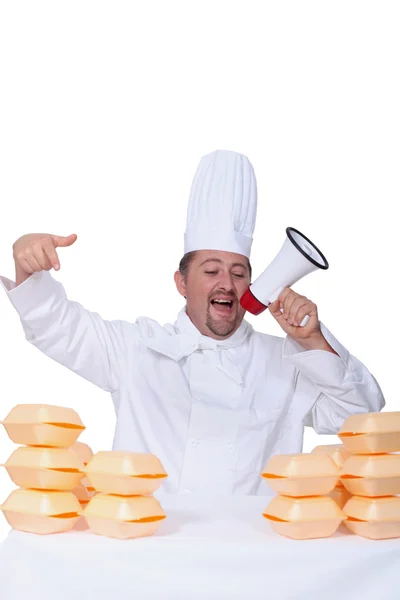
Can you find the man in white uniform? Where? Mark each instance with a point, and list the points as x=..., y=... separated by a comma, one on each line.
x=210, y=396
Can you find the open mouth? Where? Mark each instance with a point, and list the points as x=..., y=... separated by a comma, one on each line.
x=222, y=306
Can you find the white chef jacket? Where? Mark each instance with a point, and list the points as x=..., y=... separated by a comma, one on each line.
x=212, y=411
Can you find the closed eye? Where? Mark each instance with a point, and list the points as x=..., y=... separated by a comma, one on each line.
x=211, y=272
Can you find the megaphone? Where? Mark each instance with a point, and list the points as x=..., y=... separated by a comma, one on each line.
x=297, y=257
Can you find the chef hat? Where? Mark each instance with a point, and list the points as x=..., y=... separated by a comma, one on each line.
x=222, y=205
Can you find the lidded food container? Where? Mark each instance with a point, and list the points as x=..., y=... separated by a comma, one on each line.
x=301, y=474
x=85, y=454
x=83, y=451
x=42, y=512
x=125, y=473
x=123, y=517
x=340, y=495
x=372, y=475
x=371, y=433
x=43, y=425
x=304, y=518
x=337, y=452
x=374, y=518
x=82, y=495
x=45, y=468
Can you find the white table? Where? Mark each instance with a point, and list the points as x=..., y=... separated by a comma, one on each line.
x=207, y=548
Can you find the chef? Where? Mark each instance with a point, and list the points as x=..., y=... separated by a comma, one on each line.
x=209, y=395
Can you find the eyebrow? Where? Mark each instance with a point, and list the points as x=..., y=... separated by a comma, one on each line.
x=218, y=260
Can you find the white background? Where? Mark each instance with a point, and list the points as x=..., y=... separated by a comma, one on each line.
x=106, y=109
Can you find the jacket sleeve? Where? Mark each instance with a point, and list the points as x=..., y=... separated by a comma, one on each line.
x=68, y=333
x=339, y=386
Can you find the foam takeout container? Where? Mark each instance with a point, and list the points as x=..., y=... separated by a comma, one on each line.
x=43, y=425
x=124, y=517
x=301, y=474
x=82, y=494
x=304, y=518
x=340, y=495
x=372, y=475
x=374, y=518
x=45, y=468
x=42, y=512
x=337, y=452
x=371, y=433
x=125, y=473
x=83, y=451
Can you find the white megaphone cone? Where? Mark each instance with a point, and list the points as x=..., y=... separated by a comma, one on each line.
x=297, y=257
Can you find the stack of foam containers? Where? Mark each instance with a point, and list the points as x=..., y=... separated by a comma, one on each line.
x=84, y=491
x=303, y=508
x=372, y=474
x=124, y=506
x=339, y=455
x=44, y=467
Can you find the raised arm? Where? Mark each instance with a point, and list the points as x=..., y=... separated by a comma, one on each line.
x=61, y=328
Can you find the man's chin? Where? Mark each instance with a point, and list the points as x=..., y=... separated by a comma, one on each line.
x=222, y=328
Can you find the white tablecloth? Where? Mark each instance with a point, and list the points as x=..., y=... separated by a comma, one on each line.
x=207, y=548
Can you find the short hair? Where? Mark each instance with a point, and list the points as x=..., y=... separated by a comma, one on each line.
x=187, y=259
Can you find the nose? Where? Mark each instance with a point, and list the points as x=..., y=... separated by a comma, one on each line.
x=226, y=281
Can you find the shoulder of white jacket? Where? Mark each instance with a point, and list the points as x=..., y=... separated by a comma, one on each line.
x=150, y=327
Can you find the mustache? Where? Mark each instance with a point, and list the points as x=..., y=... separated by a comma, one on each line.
x=229, y=295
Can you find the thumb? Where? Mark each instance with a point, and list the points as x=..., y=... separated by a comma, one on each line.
x=61, y=241
x=274, y=309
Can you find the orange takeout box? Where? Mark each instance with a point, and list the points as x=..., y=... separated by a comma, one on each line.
x=43, y=425
x=372, y=475
x=301, y=474
x=337, y=452
x=125, y=473
x=123, y=517
x=340, y=495
x=83, y=451
x=371, y=433
x=82, y=494
x=42, y=512
x=374, y=518
x=304, y=518
x=45, y=468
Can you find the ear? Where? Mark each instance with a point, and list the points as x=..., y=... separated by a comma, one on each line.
x=180, y=283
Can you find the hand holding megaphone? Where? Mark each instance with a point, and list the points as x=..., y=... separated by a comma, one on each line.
x=297, y=257
x=295, y=309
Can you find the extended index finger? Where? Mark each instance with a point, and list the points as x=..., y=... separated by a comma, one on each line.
x=51, y=253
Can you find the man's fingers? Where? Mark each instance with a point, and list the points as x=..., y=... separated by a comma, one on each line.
x=307, y=309
x=23, y=263
x=295, y=307
x=287, y=304
x=63, y=241
x=51, y=254
x=41, y=256
x=32, y=262
x=274, y=309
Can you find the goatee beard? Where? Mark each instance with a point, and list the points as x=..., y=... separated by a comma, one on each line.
x=218, y=328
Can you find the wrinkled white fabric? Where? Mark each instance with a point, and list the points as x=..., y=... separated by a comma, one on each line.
x=212, y=412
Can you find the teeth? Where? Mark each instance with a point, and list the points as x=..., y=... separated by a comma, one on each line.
x=223, y=301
